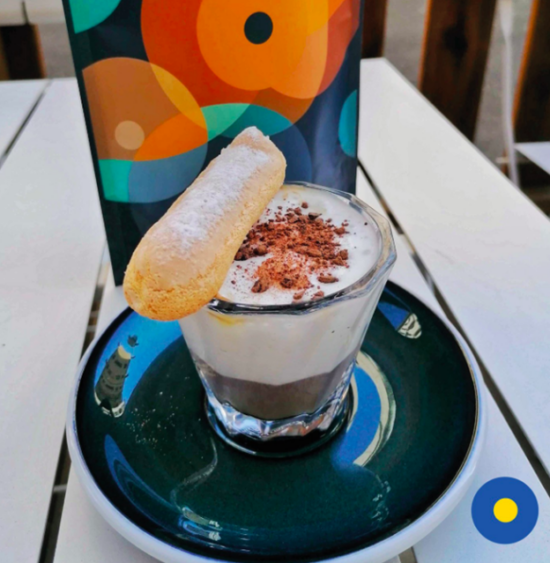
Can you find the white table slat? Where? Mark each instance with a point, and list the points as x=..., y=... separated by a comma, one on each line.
x=405, y=272
x=457, y=540
x=17, y=98
x=486, y=246
x=101, y=542
x=51, y=241
x=539, y=153
x=12, y=12
x=44, y=11
x=84, y=536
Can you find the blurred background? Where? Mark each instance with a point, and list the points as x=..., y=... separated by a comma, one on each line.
x=469, y=30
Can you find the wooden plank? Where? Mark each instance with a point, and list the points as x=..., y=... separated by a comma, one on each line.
x=540, y=196
x=457, y=34
x=485, y=244
x=4, y=72
x=532, y=103
x=22, y=52
x=532, y=106
x=16, y=102
x=374, y=28
x=51, y=240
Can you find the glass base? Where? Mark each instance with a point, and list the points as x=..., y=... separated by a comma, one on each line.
x=282, y=437
x=282, y=446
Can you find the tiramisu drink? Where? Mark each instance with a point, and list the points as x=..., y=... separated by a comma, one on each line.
x=278, y=344
x=274, y=287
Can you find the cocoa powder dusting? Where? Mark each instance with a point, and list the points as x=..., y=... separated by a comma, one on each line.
x=296, y=247
x=327, y=278
x=262, y=284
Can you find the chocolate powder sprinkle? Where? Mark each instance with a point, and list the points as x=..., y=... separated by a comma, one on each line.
x=287, y=283
x=261, y=285
x=327, y=278
x=295, y=246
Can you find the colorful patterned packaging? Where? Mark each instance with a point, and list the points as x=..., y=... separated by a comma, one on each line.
x=166, y=84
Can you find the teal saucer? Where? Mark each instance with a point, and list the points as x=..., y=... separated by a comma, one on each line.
x=152, y=465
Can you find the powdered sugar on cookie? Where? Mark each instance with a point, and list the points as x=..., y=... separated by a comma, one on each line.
x=181, y=262
x=211, y=196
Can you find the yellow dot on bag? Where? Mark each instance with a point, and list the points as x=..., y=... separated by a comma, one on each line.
x=505, y=510
x=129, y=135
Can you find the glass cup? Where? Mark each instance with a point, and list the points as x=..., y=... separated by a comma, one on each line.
x=279, y=372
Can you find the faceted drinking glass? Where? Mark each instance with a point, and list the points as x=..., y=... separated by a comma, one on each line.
x=283, y=371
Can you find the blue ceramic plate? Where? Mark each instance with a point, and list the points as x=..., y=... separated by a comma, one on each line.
x=141, y=444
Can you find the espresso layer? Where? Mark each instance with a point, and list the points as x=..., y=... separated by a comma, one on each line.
x=273, y=402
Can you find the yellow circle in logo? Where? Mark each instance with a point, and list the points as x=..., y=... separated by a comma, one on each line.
x=505, y=510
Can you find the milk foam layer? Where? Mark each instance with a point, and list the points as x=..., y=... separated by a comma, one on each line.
x=361, y=240
x=279, y=348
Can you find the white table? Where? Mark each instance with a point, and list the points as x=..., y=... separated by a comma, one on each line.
x=484, y=250
x=18, y=12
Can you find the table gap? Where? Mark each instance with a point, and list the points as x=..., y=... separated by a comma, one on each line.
x=3, y=157
x=381, y=200
x=408, y=556
x=59, y=489
x=53, y=520
x=506, y=411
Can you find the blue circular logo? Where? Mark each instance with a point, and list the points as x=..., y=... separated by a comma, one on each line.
x=505, y=510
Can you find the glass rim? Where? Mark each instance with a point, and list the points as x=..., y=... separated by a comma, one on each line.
x=385, y=260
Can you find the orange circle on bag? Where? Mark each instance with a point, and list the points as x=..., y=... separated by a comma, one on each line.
x=240, y=62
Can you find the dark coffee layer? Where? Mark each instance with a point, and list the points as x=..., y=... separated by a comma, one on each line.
x=273, y=402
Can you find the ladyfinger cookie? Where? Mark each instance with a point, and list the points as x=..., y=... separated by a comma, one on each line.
x=182, y=261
